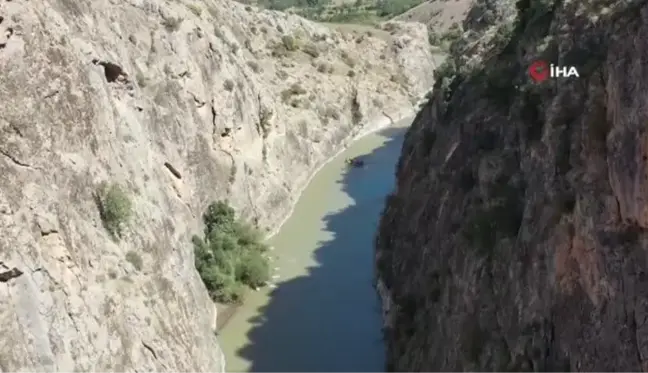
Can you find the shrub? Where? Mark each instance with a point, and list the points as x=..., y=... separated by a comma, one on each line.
x=295, y=90
x=434, y=38
x=453, y=34
x=399, y=79
x=289, y=43
x=254, y=66
x=265, y=115
x=231, y=255
x=330, y=112
x=348, y=60
x=285, y=95
x=142, y=81
x=253, y=269
x=135, y=259
x=228, y=85
x=325, y=68
x=281, y=74
x=278, y=50
x=311, y=49
x=218, y=33
x=172, y=24
x=115, y=209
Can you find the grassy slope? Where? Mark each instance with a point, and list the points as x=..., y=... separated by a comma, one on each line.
x=438, y=14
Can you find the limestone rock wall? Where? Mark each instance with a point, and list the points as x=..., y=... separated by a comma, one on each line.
x=241, y=103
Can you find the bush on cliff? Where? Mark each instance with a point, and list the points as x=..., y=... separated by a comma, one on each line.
x=115, y=208
x=231, y=256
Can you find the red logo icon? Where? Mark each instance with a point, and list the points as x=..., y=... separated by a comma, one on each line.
x=539, y=71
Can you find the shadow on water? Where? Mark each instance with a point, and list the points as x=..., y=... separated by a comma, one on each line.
x=330, y=320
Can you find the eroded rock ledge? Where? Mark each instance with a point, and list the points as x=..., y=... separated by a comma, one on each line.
x=516, y=238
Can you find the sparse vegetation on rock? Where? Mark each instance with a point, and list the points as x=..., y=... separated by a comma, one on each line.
x=115, y=208
x=295, y=90
x=311, y=49
x=325, y=67
x=172, y=24
x=347, y=59
x=254, y=66
x=135, y=259
x=290, y=43
x=329, y=112
x=231, y=256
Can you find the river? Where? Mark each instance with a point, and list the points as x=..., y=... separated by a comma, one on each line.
x=323, y=314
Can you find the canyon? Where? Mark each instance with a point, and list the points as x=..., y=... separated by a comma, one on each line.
x=180, y=103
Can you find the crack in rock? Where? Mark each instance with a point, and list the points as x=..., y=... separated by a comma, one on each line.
x=10, y=274
x=46, y=228
x=14, y=159
x=173, y=170
x=150, y=349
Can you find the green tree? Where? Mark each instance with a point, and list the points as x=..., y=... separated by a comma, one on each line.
x=219, y=216
x=231, y=256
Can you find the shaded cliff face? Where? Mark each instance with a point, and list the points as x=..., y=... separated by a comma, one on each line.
x=516, y=237
x=181, y=103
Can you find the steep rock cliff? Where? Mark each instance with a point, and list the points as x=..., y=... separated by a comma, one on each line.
x=516, y=238
x=181, y=103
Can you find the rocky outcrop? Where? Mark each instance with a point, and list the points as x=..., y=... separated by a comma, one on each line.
x=516, y=237
x=181, y=103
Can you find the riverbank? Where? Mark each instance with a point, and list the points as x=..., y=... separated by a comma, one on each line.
x=225, y=312
x=384, y=122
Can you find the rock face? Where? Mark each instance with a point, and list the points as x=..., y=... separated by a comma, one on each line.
x=181, y=103
x=516, y=238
